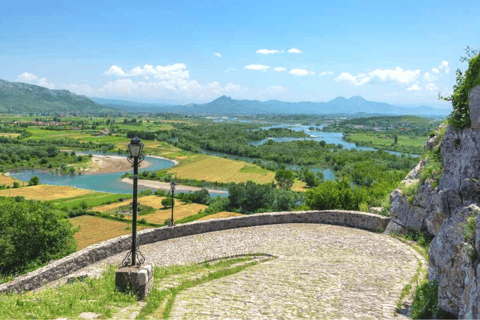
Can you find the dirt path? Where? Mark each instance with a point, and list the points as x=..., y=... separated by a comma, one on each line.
x=166, y=186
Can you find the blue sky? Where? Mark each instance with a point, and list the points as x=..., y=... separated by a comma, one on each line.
x=400, y=52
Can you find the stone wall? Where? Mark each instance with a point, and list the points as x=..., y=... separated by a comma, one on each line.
x=100, y=251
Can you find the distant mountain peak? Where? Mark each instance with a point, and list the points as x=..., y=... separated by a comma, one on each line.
x=357, y=99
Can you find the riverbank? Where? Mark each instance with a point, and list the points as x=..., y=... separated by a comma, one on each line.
x=166, y=186
x=110, y=164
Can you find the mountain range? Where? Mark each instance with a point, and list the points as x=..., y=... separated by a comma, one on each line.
x=227, y=105
x=17, y=97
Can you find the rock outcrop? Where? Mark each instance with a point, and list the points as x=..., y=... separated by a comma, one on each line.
x=441, y=206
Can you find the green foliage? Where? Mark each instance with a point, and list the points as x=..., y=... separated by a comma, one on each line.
x=200, y=196
x=167, y=202
x=410, y=191
x=34, y=181
x=433, y=168
x=469, y=227
x=425, y=304
x=16, y=184
x=32, y=234
x=336, y=195
x=285, y=178
x=460, y=116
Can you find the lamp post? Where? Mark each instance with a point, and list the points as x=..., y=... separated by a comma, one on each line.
x=135, y=148
x=172, y=186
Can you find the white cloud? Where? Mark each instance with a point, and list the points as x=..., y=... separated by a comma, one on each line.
x=431, y=87
x=279, y=69
x=301, y=72
x=230, y=70
x=275, y=88
x=31, y=78
x=381, y=75
x=444, y=66
x=218, y=55
x=257, y=67
x=429, y=77
x=294, y=50
x=266, y=51
x=115, y=71
x=414, y=87
x=325, y=73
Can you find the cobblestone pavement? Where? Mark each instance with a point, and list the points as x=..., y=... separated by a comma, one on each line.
x=322, y=272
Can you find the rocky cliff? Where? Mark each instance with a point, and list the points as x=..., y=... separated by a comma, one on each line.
x=444, y=201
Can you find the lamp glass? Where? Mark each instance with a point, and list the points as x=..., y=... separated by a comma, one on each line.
x=135, y=147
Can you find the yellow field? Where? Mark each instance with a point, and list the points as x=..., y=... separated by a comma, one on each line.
x=8, y=180
x=211, y=168
x=9, y=135
x=45, y=192
x=151, y=201
x=179, y=212
x=95, y=229
x=223, y=214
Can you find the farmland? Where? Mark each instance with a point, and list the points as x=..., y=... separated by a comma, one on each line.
x=95, y=229
x=45, y=192
x=8, y=181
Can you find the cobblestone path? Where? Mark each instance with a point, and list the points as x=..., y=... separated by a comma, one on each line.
x=322, y=272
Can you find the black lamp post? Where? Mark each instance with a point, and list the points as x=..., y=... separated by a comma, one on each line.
x=172, y=186
x=135, y=148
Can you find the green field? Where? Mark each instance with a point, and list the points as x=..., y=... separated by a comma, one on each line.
x=405, y=143
x=91, y=200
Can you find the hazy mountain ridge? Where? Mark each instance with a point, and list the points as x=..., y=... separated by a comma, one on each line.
x=19, y=97
x=339, y=105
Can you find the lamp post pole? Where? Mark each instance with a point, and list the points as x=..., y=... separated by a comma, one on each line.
x=172, y=185
x=134, y=223
x=135, y=148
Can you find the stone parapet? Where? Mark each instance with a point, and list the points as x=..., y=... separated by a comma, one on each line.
x=105, y=249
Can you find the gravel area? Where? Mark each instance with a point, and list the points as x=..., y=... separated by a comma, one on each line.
x=322, y=271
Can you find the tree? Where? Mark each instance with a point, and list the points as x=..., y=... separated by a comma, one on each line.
x=285, y=178
x=33, y=181
x=167, y=202
x=32, y=234
x=310, y=179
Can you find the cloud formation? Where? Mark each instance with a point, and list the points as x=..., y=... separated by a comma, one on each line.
x=218, y=55
x=381, y=75
x=294, y=50
x=279, y=69
x=31, y=78
x=443, y=67
x=301, y=72
x=326, y=73
x=414, y=87
x=259, y=67
x=266, y=51
x=431, y=87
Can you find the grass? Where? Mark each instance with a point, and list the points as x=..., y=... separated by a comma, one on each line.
x=92, y=199
x=410, y=190
x=101, y=297
x=216, y=169
x=45, y=192
x=93, y=295
x=95, y=229
x=405, y=143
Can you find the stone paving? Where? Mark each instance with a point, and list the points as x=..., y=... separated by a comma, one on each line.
x=321, y=272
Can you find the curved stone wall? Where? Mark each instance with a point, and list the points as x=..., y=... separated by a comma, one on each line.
x=100, y=251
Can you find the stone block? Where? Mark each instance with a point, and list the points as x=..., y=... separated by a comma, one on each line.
x=475, y=107
x=138, y=280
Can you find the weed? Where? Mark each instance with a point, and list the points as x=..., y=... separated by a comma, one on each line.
x=469, y=227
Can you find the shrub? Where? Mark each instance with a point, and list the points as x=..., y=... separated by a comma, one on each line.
x=34, y=181
x=16, y=184
x=143, y=220
x=32, y=235
x=469, y=227
x=167, y=202
x=460, y=116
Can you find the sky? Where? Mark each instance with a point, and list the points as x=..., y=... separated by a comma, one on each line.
x=400, y=52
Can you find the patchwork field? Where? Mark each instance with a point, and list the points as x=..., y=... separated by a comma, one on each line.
x=223, y=214
x=8, y=180
x=211, y=168
x=151, y=201
x=45, y=192
x=95, y=229
x=91, y=200
x=179, y=212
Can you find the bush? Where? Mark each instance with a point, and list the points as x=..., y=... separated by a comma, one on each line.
x=34, y=181
x=16, y=184
x=32, y=235
x=167, y=202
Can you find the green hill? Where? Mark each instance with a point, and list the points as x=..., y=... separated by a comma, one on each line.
x=18, y=97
